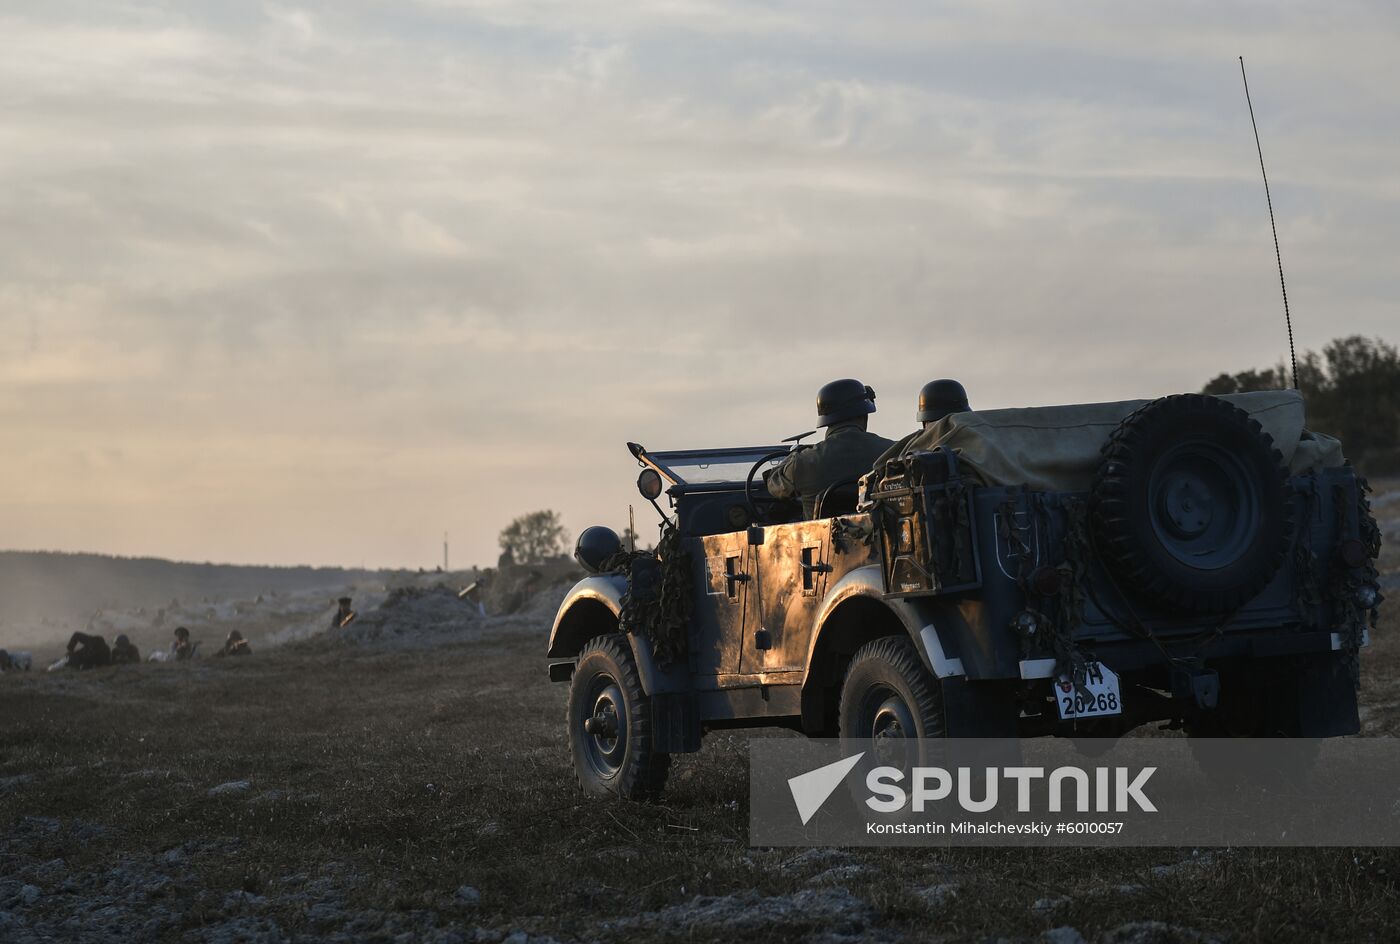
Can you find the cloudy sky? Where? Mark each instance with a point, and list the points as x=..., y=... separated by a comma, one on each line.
x=314, y=283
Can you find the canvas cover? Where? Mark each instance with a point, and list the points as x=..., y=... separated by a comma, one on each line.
x=1056, y=448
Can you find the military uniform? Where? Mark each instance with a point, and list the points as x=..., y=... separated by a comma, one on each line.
x=88, y=652
x=235, y=645
x=897, y=450
x=124, y=653
x=848, y=452
x=181, y=649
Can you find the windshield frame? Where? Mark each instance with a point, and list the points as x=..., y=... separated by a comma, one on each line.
x=671, y=464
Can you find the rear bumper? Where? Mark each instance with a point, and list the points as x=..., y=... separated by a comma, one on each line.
x=1131, y=656
x=1299, y=683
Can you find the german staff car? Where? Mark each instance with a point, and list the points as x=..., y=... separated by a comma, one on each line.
x=1202, y=562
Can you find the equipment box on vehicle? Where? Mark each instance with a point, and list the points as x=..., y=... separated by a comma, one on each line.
x=922, y=511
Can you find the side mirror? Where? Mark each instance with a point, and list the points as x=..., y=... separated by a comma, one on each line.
x=649, y=484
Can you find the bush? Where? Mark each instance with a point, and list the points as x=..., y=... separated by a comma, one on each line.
x=1352, y=390
x=534, y=538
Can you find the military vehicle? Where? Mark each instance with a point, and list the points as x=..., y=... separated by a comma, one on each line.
x=1201, y=562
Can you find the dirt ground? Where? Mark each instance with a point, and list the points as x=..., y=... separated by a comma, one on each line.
x=364, y=791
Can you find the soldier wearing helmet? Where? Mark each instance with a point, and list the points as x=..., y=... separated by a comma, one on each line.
x=235, y=645
x=88, y=652
x=123, y=651
x=182, y=648
x=937, y=399
x=940, y=398
x=344, y=615
x=847, y=452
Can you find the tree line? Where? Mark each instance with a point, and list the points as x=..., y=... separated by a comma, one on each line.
x=1352, y=391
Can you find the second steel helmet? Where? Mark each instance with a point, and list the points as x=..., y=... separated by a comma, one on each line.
x=938, y=398
x=843, y=400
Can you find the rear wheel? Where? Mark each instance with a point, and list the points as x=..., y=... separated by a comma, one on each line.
x=888, y=698
x=609, y=724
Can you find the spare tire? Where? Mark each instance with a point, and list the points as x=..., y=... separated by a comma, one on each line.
x=1192, y=509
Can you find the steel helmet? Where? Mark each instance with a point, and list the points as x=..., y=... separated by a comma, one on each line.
x=595, y=545
x=843, y=400
x=938, y=398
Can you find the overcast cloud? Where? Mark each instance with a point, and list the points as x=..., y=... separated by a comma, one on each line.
x=314, y=283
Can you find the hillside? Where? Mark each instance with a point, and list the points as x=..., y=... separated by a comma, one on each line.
x=45, y=594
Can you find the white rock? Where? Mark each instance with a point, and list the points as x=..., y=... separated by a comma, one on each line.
x=233, y=786
x=936, y=896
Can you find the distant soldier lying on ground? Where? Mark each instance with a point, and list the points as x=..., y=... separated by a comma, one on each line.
x=182, y=648
x=235, y=645
x=472, y=593
x=88, y=652
x=14, y=661
x=123, y=652
x=344, y=616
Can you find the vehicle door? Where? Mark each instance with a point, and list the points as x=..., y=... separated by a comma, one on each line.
x=790, y=578
x=725, y=581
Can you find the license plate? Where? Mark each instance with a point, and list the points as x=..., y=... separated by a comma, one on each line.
x=1100, y=695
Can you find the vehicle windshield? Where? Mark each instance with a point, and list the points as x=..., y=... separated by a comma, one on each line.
x=710, y=466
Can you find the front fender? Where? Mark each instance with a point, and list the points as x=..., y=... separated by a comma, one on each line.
x=592, y=608
x=591, y=605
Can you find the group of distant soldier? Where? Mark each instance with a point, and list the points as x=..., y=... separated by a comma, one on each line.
x=89, y=651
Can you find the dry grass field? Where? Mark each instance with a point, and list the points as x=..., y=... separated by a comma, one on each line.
x=326, y=792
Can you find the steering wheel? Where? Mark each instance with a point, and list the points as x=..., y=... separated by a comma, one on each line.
x=748, y=482
x=834, y=490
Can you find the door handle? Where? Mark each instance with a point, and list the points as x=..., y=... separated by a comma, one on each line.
x=817, y=568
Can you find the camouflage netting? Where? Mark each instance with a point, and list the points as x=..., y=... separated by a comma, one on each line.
x=658, y=602
x=1352, y=617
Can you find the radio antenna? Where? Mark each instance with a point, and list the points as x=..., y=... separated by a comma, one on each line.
x=1287, y=318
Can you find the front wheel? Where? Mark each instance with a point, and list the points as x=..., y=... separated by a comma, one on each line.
x=609, y=723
